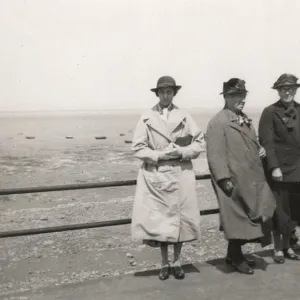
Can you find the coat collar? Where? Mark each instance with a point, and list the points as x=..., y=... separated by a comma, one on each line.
x=153, y=119
x=280, y=105
x=245, y=130
x=280, y=109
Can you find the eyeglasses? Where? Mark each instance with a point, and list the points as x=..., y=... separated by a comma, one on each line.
x=289, y=89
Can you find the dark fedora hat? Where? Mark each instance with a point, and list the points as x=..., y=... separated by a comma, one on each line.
x=166, y=81
x=234, y=86
x=286, y=80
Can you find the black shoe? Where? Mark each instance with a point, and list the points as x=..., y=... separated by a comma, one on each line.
x=164, y=273
x=279, y=259
x=178, y=272
x=291, y=256
x=242, y=268
x=249, y=261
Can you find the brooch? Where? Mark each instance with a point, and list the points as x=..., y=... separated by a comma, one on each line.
x=285, y=120
x=243, y=120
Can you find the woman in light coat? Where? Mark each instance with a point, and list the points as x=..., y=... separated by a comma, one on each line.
x=166, y=209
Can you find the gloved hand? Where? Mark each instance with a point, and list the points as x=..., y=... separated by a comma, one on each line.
x=277, y=174
x=227, y=186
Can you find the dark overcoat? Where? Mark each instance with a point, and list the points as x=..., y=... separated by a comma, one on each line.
x=282, y=143
x=232, y=152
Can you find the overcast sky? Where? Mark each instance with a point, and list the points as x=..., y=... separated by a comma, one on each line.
x=96, y=54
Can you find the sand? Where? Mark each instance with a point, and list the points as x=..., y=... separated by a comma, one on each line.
x=34, y=262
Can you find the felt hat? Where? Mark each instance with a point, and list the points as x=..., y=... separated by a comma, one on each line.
x=234, y=86
x=286, y=80
x=166, y=81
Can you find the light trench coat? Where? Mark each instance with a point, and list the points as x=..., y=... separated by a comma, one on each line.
x=165, y=206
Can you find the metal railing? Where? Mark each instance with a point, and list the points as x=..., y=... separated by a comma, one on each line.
x=43, y=189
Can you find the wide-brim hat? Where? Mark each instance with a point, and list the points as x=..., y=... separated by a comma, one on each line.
x=286, y=80
x=234, y=86
x=166, y=81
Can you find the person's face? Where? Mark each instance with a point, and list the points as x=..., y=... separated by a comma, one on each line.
x=165, y=96
x=235, y=102
x=287, y=93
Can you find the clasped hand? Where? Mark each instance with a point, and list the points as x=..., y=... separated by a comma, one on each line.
x=173, y=151
x=277, y=174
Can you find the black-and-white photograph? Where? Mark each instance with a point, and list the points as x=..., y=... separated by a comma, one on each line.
x=149, y=149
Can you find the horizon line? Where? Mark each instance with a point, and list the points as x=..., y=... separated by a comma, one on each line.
x=110, y=109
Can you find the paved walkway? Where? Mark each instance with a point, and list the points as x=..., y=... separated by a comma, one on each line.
x=209, y=281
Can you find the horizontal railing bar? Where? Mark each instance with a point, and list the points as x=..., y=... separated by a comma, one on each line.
x=34, y=231
x=68, y=187
x=209, y=211
x=63, y=228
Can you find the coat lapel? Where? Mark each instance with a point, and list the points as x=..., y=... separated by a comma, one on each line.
x=242, y=129
x=175, y=119
x=297, y=106
x=279, y=111
x=153, y=120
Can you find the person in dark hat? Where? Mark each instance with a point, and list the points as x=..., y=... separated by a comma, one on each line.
x=166, y=210
x=279, y=133
x=235, y=157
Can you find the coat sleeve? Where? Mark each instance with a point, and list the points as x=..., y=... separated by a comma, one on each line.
x=140, y=144
x=217, y=151
x=197, y=145
x=266, y=137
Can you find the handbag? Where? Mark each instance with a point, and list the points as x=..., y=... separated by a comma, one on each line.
x=184, y=141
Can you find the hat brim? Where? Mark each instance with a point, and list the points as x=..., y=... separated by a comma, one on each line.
x=234, y=93
x=176, y=87
x=286, y=84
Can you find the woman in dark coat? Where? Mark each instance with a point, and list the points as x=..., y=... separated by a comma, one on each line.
x=279, y=133
x=234, y=156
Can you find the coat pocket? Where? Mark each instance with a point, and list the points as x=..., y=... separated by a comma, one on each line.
x=247, y=198
x=258, y=201
x=163, y=180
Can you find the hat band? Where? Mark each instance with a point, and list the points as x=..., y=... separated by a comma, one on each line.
x=287, y=83
x=235, y=91
x=165, y=85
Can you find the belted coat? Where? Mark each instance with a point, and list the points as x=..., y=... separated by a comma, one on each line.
x=232, y=152
x=165, y=207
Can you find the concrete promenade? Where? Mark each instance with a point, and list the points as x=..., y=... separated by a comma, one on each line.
x=208, y=281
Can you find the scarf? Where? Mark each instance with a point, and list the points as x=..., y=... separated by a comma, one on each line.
x=290, y=119
x=164, y=112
